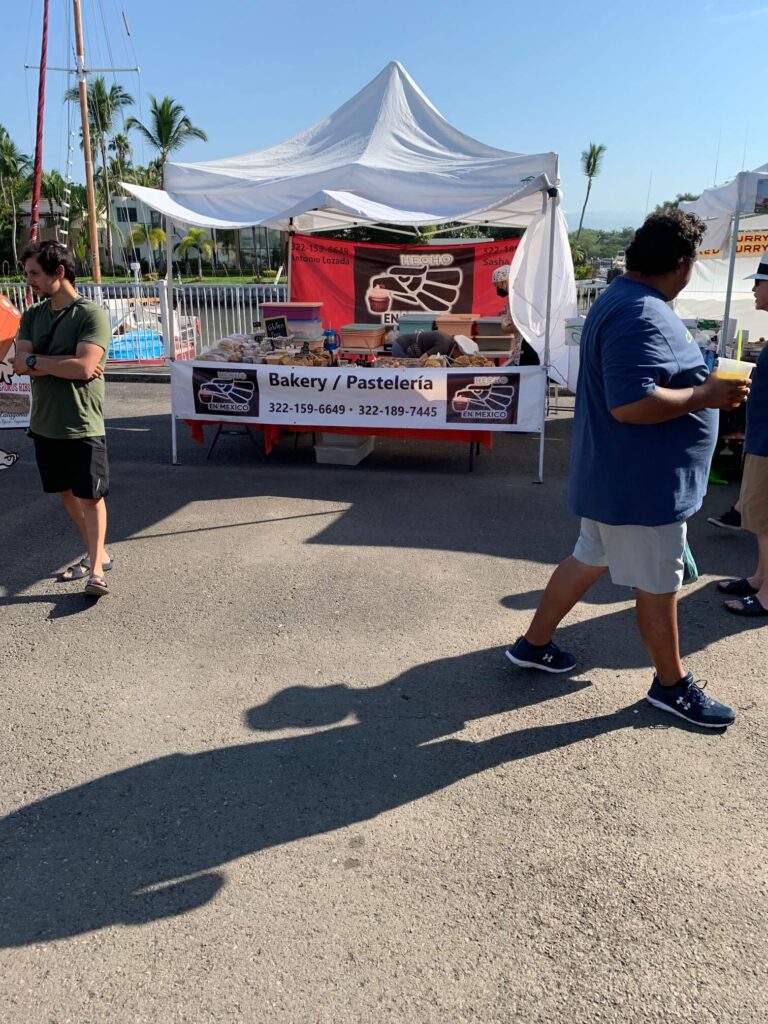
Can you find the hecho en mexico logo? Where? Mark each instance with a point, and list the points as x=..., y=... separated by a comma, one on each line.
x=228, y=392
x=483, y=398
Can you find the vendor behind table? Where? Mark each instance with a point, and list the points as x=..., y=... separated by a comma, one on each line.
x=432, y=343
x=528, y=356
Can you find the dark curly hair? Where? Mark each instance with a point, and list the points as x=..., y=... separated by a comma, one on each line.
x=50, y=256
x=664, y=242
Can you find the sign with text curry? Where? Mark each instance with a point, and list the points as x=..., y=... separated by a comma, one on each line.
x=503, y=399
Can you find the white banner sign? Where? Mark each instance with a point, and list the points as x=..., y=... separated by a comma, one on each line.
x=504, y=398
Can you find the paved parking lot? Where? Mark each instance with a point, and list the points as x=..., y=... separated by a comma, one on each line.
x=284, y=773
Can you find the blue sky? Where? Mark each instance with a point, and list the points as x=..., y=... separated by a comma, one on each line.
x=672, y=88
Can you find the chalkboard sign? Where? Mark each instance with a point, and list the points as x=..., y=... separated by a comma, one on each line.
x=276, y=326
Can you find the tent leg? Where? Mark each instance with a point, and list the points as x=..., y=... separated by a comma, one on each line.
x=729, y=285
x=290, y=253
x=540, y=479
x=166, y=296
x=174, y=442
x=553, y=201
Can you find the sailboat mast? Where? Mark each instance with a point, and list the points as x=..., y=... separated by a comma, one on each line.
x=37, y=176
x=92, y=225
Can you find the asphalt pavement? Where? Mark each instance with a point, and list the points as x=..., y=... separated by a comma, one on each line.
x=284, y=773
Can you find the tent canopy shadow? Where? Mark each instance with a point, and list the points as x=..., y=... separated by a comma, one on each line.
x=150, y=841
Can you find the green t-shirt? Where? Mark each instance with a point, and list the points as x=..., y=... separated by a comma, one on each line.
x=66, y=409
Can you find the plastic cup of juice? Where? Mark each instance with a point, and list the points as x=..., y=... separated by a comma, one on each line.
x=733, y=369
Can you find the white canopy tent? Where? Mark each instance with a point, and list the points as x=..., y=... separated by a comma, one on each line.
x=717, y=288
x=388, y=157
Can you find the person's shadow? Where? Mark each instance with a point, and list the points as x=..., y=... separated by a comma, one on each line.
x=147, y=842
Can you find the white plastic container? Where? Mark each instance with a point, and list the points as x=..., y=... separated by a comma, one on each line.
x=344, y=440
x=343, y=454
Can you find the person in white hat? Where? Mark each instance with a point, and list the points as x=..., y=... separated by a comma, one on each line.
x=527, y=354
x=749, y=596
x=432, y=343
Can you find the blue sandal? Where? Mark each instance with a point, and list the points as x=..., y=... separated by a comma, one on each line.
x=737, y=588
x=750, y=607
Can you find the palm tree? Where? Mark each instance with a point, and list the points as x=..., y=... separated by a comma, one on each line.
x=79, y=221
x=120, y=147
x=15, y=183
x=591, y=160
x=143, y=234
x=196, y=238
x=150, y=176
x=103, y=106
x=168, y=129
x=53, y=189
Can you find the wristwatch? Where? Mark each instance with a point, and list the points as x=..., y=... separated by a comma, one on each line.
x=31, y=362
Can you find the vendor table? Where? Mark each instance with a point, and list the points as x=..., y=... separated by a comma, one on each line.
x=270, y=433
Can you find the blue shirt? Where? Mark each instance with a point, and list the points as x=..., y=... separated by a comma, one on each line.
x=625, y=473
x=756, y=442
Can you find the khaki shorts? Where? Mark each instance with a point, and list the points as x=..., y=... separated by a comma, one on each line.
x=753, y=500
x=648, y=558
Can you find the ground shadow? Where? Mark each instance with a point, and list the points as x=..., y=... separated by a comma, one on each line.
x=148, y=842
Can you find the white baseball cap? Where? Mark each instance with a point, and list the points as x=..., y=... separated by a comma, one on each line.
x=466, y=345
x=762, y=270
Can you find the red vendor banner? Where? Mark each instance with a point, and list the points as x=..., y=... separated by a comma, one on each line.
x=363, y=283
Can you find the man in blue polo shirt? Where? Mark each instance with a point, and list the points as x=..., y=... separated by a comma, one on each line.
x=749, y=596
x=643, y=437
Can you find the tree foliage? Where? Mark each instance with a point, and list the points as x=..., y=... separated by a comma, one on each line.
x=168, y=128
x=591, y=165
x=673, y=204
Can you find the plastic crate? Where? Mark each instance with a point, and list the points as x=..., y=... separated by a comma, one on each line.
x=344, y=454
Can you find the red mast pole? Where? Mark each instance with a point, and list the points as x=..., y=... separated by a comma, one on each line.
x=38, y=169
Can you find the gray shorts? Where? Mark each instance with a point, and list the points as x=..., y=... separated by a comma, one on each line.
x=648, y=558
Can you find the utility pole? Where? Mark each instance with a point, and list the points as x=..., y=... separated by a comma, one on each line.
x=80, y=72
x=34, y=218
x=83, y=88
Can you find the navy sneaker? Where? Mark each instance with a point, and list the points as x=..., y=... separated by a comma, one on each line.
x=687, y=700
x=546, y=658
x=730, y=520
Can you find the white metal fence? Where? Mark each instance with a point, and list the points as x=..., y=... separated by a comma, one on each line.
x=202, y=313
x=587, y=292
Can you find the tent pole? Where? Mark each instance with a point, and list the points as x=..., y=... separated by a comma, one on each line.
x=552, y=195
x=729, y=285
x=290, y=252
x=166, y=314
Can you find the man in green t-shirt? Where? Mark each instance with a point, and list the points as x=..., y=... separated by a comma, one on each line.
x=62, y=345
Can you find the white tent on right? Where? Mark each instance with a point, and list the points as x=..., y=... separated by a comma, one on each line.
x=736, y=215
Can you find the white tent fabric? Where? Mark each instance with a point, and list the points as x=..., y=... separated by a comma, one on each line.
x=528, y=290
x=385, y=156
x=746, y=194
x=704, y=297
x=710, y=293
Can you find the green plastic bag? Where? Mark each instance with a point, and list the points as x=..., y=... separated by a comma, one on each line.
x=690, y=569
